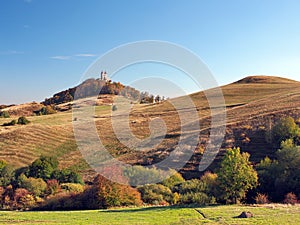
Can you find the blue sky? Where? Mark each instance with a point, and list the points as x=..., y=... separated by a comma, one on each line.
x=47, y=45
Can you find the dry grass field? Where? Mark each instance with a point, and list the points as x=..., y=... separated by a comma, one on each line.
x=251, y=105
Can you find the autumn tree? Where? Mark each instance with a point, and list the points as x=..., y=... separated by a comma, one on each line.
x=108, y=194
x=236, y=176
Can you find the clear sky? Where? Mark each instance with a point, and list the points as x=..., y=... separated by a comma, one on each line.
x=47, y=45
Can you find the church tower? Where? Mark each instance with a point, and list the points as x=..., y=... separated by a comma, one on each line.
x=104, y=76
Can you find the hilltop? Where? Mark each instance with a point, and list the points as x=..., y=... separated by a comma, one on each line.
x=91, y=87
x=265, y=80
x=253, y=105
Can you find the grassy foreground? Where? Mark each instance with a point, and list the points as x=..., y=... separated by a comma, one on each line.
x=278, y=214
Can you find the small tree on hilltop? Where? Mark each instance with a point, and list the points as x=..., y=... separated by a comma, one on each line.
x=236, y=176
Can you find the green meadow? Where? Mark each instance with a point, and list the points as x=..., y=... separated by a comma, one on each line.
x=268, y=214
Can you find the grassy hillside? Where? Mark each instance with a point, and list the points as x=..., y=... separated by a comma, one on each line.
x=253, y=105
x=213, y=215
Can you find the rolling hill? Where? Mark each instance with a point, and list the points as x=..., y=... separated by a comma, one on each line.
x=253, y=104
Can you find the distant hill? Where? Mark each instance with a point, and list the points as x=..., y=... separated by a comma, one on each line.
x=92, y=87
x=265, y=80
x=105, y=90
x=253, y=105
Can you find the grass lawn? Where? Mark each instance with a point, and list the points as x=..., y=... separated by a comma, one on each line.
x=278, y=214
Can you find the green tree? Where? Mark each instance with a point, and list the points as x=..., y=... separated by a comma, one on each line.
x=66, y=176
x=210, y=181
x=43, y=167
x=267, y=171
x=173, y=180
x=288, y=179
x=281, y=176
x=236, y=176
x=286, y=128
x=7, y=175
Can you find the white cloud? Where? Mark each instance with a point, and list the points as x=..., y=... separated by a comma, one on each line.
x=61, y=57
x=85, y=55
x=11, y=52
x=65, y=57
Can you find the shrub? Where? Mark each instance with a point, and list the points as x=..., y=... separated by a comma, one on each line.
x=23, y=120
x=7, y=197
x=4, y=114
x=47, y=110
x=71, y=187
x=176, y=198
x=198, y=198
x=261, y=199
x=173, y=180
x=210, y=181
x=139, y=175
x=3, y=163
x=290, y=198
x=23, y=199
x=11, y=123
x=36, y=186
x=53, y=187
x=62, y=201
x=114, y=108
x=190, y=186
x=156, y=194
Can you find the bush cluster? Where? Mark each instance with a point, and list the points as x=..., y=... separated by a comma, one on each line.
x=21, y=121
